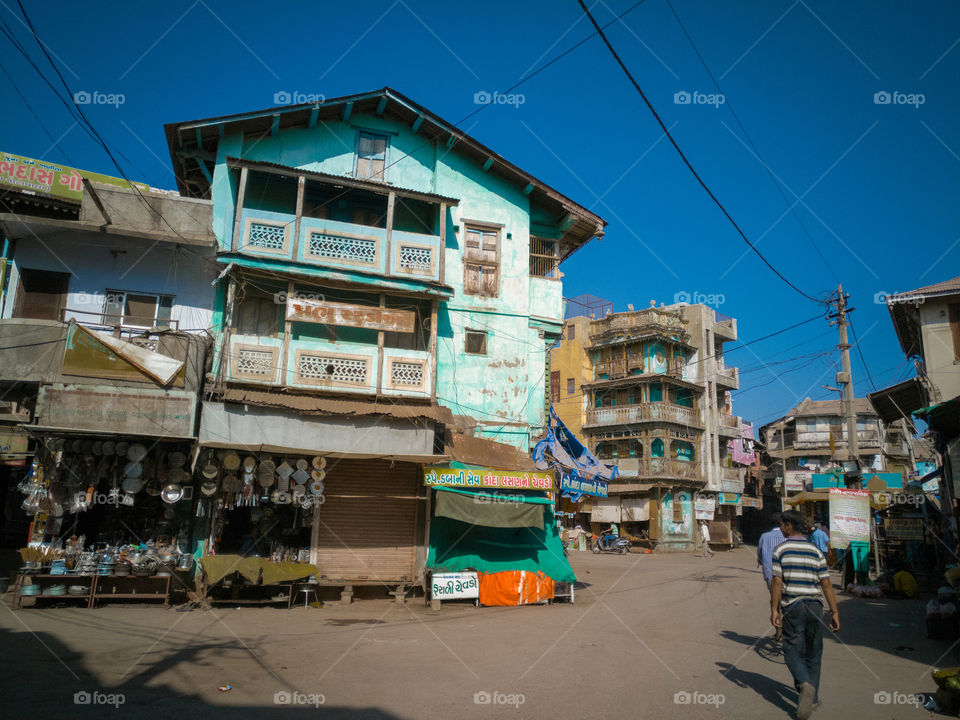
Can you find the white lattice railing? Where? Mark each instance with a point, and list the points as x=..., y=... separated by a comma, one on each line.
x=255, y=363
x=268, y=237
x=415, y=259
x=334, y=247
x=314, y=367
x=406, y=374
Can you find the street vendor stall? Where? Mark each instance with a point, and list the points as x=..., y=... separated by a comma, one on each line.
x=500, y=524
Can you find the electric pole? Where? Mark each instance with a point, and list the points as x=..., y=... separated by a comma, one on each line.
x=845, y=379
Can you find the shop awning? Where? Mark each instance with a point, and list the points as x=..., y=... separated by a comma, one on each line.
x=491, y=509
x=897, y=402
x=457, y=545
x=479, y=452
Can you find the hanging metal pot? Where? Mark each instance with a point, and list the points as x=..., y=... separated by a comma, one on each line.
x=172, y=493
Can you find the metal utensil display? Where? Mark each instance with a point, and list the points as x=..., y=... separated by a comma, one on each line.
x=300, y=476
x=133, y=470
x=176, y=459
x=231, y=461
x=172, y=493
x=136, y=452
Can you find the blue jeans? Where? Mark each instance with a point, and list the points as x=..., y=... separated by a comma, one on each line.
x=803, y=642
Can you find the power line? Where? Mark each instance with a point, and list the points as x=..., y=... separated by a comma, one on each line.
x=856, y=342
x=790, y=206
x=99, y=138
x=687, y=162
x=56, y=143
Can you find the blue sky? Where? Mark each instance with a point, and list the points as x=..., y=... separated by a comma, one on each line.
x=876, y=182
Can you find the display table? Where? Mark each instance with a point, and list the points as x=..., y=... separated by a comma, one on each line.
x=131, y=587
x=46, y=580
x=99, y=587
x=262, y=577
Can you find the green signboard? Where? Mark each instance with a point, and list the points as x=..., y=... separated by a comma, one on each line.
x=59, y=181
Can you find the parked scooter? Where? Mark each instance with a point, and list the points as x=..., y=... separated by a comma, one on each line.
x=611, y=544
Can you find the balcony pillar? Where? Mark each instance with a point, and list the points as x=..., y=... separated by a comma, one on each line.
x=391, y=204
x=238, y=210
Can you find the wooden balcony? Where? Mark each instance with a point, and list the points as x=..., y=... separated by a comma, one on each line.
x=655, y=468
x=328, y=366
x=642, y=412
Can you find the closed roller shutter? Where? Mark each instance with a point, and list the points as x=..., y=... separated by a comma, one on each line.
x=367, y=527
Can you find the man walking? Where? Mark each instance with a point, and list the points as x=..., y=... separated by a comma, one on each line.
x=765, y=546
x=705, y=539
x=819, y=538
x=801, y=581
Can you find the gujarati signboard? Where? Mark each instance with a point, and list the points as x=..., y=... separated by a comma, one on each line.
x=344, y=314
x=581, y=486
x=455, y=586
x=903, y=528
x=116, y=410
x=59, y=181
x=849, y=517
x=486, y=478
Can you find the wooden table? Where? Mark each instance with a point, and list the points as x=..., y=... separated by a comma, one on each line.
x=98, y=587
x=128, y=583
x=46, y=579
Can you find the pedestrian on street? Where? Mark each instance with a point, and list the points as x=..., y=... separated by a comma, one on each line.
x=765, y=546
x=801, y=581
x=819, y=538
x=705, y=539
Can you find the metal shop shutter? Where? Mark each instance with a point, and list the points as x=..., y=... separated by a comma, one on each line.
x=367, y=527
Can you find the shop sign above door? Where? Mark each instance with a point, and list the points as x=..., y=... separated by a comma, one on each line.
x=126, y=411
x=486, y=478
x=359, y=316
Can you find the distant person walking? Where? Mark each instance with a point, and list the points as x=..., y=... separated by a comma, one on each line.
x=801, y=581
x=765, y=546
x=705, y=539
x=820, y=539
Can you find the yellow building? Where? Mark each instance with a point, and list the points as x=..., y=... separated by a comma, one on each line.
x=570, y=366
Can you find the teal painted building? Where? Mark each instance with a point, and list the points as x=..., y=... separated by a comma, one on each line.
x=382, y=279
x=370, y=200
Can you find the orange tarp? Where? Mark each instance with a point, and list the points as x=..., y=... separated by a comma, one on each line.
x=514, y=587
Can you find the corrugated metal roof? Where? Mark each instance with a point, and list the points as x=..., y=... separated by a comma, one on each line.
x=946, y=287
x=336, y=406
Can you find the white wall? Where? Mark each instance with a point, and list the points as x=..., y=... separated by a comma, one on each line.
x=97, y=262
x=938, y=353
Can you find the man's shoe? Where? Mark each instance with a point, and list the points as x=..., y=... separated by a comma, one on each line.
x=805, y=704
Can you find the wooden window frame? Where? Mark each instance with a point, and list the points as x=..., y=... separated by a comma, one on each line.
x=539, y=260
x=571, y=386
x=482, y=263
x=466, y=341
x=677, y=507
x=386, y=156
x=108, y=293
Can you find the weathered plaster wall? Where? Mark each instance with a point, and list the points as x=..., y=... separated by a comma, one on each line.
x=100, y=262
x=938, y=352
x=503, y=390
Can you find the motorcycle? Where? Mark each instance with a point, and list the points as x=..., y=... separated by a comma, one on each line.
x=611, y=544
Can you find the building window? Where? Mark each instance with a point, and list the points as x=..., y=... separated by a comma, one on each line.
x=136, y=309
x=543, y=257
x=481, y=262
x=555, y=386
x=656, y=392
x=258, y=313
x=476, y=342
x=42, y=295
x=371, y=156
x=571, y=332
x=677, y=509
x=954, y=317
x=571, y=386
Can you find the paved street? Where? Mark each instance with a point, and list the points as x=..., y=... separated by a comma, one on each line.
x=644, y=628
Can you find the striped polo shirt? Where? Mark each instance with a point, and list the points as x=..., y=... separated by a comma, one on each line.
x=801, y=567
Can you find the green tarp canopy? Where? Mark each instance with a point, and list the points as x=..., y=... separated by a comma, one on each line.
x=457, y=545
